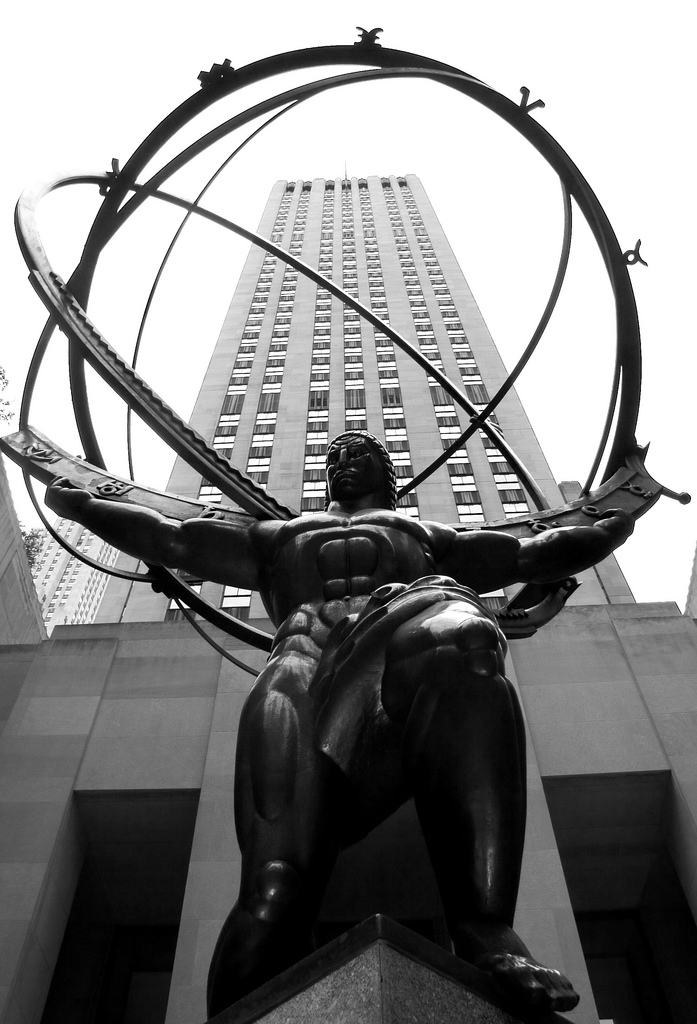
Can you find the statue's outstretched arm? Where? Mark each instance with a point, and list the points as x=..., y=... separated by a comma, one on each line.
x=486, y=559
x=556, y=554
x=216, y=550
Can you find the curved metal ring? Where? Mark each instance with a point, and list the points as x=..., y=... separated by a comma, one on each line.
x=186, y=612
x=170, y=250
x=628, y=336
x=111, y=214
x=37, y=259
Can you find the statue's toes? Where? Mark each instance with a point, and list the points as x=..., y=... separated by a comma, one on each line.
x=529, y=984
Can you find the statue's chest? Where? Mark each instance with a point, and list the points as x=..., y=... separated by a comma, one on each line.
x=357, y=560
x=330, y=559
x=350, y=565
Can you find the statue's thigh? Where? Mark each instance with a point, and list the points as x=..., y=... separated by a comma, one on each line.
x=275, y=738
x=451, y=643
x=286, y=790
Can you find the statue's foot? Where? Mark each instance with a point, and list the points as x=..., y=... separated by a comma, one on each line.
x=532, y=989
x=528, y=984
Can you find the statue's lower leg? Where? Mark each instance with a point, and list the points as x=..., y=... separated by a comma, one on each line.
x=266, y=931
x=286, y=808
x=464, y=750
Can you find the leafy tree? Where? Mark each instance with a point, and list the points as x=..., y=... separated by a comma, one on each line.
x=33, y=538
x=33, y=542
x=5, y=413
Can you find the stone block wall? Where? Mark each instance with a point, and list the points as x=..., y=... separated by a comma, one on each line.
x=20, y=615
x=105, y=712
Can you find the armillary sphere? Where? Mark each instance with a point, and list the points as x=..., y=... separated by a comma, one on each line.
x=624, y=484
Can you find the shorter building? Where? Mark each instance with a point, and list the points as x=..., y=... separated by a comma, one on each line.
x=69, y=589
x=20, y=615
x=691, y=603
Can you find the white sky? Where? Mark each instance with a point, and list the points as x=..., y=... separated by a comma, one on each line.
x=84, y=83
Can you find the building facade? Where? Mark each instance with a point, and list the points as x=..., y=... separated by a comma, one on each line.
x=20, y=617
x=293, y=367
x=118, y=859
x=69, y=590
x=691, y=601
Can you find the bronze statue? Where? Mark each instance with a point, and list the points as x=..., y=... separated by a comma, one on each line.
x=386, y=680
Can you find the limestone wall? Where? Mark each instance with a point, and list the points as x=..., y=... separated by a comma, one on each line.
x=20, y=615
x=105, y=722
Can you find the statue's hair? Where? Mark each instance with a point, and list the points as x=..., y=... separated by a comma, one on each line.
x=390, y=488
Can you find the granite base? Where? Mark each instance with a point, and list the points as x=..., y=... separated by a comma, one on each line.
x=377, y=973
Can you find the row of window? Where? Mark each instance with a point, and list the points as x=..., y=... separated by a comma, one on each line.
x=465, y=493
x=508, y=485
x=394, y=425
x=259, y=453
x=235, y=601
x=313, y=490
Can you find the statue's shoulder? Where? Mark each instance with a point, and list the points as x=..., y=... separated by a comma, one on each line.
x=437, y=532
x=387, y=519
x=280, y=531
x=433, y=535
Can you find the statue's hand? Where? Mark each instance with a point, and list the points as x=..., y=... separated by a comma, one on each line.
x=610, y=529
x=556, y=554
x=66, y=498
x=618, y=523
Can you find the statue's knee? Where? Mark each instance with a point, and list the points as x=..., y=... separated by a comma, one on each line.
x=479, y=642
x=478, y=634
x=277, y=888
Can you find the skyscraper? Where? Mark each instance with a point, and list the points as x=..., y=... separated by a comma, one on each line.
x=294, y=366
x=69, y=589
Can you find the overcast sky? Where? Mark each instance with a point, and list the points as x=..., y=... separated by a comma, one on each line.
x=86, y=83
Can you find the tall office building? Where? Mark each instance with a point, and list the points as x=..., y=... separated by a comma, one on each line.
x=294, y=366
x=70, y=590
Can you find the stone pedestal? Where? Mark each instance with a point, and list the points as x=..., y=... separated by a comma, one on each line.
x=377, y=973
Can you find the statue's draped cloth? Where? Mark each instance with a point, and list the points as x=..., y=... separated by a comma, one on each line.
x=351, y=725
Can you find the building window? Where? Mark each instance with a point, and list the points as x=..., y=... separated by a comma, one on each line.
x=319, y=399
x=511, y=494
x=268, y=402
x=174, y=612
x=391, y=396
x=236, y=601
x=355, y=398
x=477, y=393
x=312, y=504
x=470, y=496
x=232, y=405
x=407, y=501
x=470, y=513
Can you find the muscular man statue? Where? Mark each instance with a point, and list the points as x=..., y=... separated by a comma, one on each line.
x=386, y=680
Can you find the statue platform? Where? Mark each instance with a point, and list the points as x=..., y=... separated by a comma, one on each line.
x=377, y=973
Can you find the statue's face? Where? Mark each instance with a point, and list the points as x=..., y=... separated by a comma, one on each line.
x=354, y=470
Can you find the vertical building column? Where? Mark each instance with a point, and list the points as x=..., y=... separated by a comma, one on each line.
x=40, y=751
x=544, y=916
x=215, y=865
x=20, y=615
x=660, y=646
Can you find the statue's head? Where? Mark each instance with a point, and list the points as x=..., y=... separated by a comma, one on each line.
x=358, y=465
